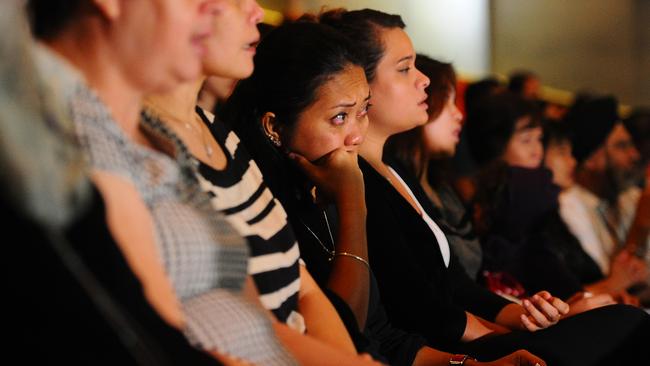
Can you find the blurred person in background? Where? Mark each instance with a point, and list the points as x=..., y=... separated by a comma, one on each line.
x=605, y=209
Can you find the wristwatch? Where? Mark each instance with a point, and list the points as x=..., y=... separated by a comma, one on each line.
x=459, y=359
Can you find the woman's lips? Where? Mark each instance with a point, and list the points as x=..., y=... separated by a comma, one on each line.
x=252, y=46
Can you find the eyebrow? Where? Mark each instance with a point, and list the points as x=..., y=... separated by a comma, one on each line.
x=405, y=58
x=348, y=105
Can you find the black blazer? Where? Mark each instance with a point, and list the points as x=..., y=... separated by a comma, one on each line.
x=419, y=292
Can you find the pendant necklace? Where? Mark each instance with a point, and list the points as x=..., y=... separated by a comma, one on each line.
x=330, y=252
x=201, y=134
x=189, y=126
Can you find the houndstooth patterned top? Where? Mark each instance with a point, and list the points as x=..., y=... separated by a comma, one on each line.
x=203, y=255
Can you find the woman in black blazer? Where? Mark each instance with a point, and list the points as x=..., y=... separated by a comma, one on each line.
x=421, y=286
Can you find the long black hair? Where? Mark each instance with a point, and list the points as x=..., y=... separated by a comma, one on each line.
x=363, y=28
x=291, y=65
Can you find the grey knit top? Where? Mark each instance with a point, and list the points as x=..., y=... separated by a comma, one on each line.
x=203, y=255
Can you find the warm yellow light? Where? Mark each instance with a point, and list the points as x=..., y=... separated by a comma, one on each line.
x=273, y=17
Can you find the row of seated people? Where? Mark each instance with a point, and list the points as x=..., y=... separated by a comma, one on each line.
x=167, y=236
x=586, y=227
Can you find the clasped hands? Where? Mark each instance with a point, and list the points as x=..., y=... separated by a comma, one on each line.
x=542, y=310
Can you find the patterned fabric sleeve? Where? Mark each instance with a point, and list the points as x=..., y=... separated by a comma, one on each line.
x=222, y=321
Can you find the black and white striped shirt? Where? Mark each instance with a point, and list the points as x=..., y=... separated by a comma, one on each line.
x=240, y=193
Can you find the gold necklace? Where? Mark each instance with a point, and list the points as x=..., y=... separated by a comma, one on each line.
x=188, y=126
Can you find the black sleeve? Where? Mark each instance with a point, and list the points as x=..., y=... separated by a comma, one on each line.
x=410, y=293
x=545, y=271
x=463, y=292
x=555, y=261
x=398, y=346
x=362, y=341
x=473, y=297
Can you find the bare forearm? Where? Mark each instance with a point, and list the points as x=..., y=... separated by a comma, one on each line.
x=510, y=317
x=309, y=351
x=350, y=277
x=474, y=329
x=605, y=286
x=427, y=356
x=321, y=319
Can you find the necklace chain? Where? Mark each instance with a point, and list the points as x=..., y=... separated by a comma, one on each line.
x=329, y=251
x=189, y=126
x=201, y=134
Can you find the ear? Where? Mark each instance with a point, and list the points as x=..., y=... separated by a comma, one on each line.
x=269, y=126
x=111, y=9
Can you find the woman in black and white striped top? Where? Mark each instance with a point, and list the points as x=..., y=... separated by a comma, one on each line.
x=240, y=193
x=237, y=189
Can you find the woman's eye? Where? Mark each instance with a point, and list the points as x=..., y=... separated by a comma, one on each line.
x=405, y=70
x=524, y=138
x=339, y=118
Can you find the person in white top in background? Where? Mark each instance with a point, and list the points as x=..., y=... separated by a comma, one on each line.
x=603, y=209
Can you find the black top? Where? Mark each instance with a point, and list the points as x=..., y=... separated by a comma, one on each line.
x=291, y=187
x=555, y=260
x=397, y=346
x=419, y=293
x=527, y=195
x=53, y=317
x=531, y=241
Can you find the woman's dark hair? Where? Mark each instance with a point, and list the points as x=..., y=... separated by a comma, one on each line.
x=518, y=80
x=492, y=123
x=408, y=147
x=48, y=17
x=555, y=132
x=292, y=63
x=489, y=129
x=478, y=90
x=362, y=27
x=442, y=82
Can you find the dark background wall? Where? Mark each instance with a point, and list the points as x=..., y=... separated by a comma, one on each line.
x=596, y=45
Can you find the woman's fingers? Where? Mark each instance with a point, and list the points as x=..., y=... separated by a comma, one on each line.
x=561, y=306
x=521, y=358
x=307, y=166
x=538, y=310
x=528, y=324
